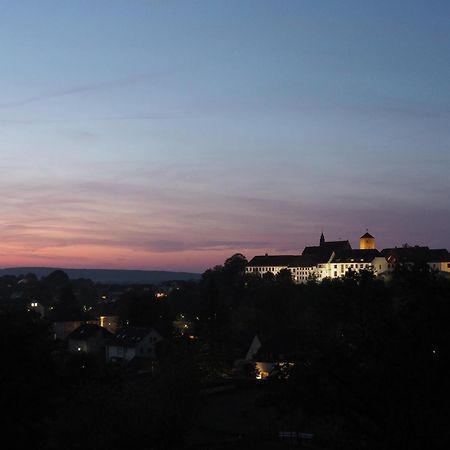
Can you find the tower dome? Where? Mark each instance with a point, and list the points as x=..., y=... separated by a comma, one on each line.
x=367, y=242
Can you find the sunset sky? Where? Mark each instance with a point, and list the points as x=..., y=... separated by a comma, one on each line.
x=172, y=134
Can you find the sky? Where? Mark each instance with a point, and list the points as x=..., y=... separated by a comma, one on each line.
x=170, y=135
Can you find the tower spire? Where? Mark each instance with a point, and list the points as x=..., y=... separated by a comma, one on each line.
x=322, y=238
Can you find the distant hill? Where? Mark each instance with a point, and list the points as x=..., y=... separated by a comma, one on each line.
x=108, y=275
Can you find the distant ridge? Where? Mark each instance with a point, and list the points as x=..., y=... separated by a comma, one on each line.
x=107, y=275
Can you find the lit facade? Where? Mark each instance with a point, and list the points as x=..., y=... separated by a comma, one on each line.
x=334, y=259
x=367, y=242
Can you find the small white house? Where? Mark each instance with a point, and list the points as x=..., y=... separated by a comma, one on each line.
x=132, y=342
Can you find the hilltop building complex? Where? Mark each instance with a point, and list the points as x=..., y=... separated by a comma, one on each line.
x=333, y=259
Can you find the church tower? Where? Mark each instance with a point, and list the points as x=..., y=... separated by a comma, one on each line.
x=367, y=242
x=322, y=239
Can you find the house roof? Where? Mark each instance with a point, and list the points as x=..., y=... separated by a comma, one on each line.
x=272, y=260
x=284, y=261
x=416, y=254
x=87, y=331
x=348, y=256
x=326, y=249
x=367, y=236
x=439, y=255
x=130, y=336
x=305, y=261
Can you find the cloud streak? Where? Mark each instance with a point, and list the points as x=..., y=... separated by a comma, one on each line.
x=90, y=87
x=132, y=216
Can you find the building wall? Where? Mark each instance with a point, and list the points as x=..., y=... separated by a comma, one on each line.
x=76, y=346
x=95, y=345
x=264, y=369
x=254, y=347
x=120, y=353
x=111, y=323
x=262, y=270
x=380, y=265
x=338, y=269
x=325, y=270
x=440, y=266
x=299, y=274
x=367, y=244
x=303, y=274
x=63, y=329
x=145, y=348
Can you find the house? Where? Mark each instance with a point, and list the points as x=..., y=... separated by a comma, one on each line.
x=36, y=307
x=65, y=323
x=329, y=259
x=88, y=338
x=307, y=266
x=436, y=259
x=107, y=315
x=111, y=323
x=333, y=259
x=132, y=342
x=302, y=267
x=274, y=353
x=325, y=249
x=273, y=263
x=355, y=261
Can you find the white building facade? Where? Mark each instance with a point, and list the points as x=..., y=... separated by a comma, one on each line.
x=335, y=259
x=131, y=342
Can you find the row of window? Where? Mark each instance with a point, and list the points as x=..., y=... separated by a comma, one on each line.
x=273, y=269
x=302, y=269
x=262, y=269
x=353, y=266
x=302, y=278
x=304, y=272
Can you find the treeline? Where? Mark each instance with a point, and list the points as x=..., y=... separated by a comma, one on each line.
x=370, y=358
x=54, y=400
x=369, y=362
